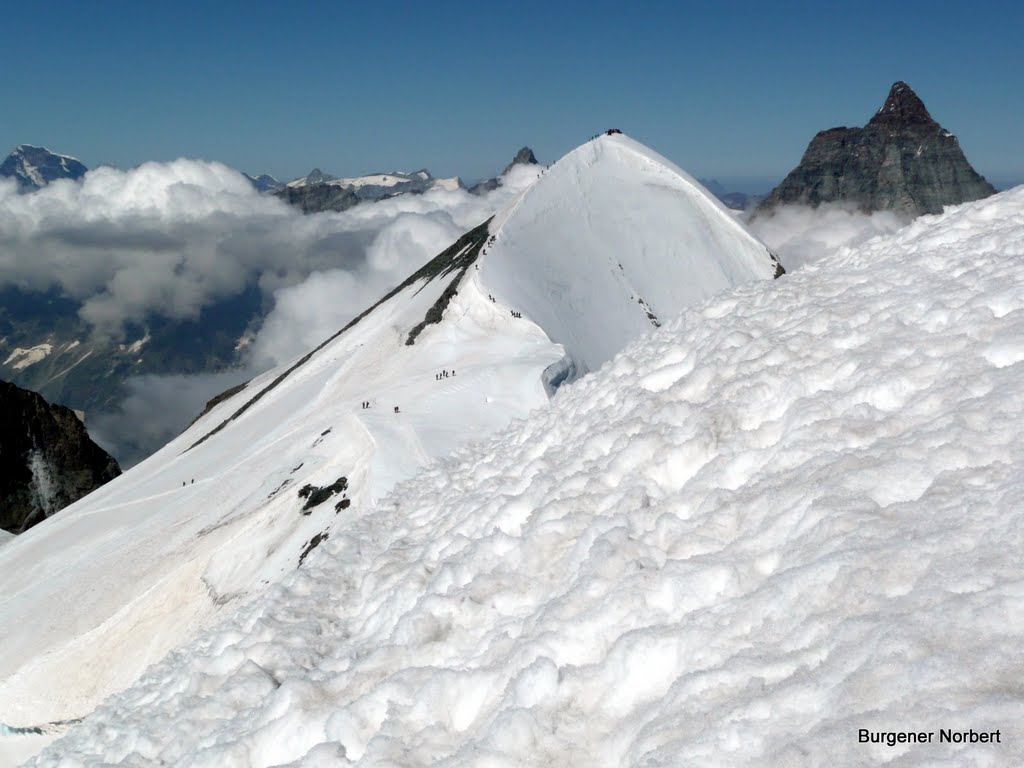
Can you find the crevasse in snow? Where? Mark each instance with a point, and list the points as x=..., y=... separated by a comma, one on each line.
x=793, y=512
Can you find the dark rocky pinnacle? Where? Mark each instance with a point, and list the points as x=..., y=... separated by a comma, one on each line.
x=902, y=107
x=524, y=156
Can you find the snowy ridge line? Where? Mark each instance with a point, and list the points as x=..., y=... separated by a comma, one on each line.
x=466, y=251
x=509, y=210
x=439, y=266
x=23, y=147
x=794, y=511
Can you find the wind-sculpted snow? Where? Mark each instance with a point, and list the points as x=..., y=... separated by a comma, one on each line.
x=792, y=513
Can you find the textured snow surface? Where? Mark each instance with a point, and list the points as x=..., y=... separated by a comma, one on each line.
x=795, y=511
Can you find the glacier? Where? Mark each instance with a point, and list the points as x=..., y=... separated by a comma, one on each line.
x=794, y=511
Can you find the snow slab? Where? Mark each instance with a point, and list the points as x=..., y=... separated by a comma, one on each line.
x=793, y=512
x=23, y=358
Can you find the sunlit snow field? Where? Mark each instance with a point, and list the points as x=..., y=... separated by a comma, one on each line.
x=793, y=512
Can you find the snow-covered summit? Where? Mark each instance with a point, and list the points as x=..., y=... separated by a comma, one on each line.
x=35, y=167
x=613, y=240
x=476, y=338
x=792, y=513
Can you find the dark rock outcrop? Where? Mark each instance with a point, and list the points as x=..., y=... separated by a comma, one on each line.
x=901, y=161
x=317, y=198
x=47, y=459
x=35, y=167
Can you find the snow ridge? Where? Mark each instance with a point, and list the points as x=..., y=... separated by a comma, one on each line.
x=612, y=238
x=793, y=512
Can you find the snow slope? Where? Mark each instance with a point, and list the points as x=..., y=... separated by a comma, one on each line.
x=142, y=564
x=94, y=595
x=794, y=512
x=588, y=237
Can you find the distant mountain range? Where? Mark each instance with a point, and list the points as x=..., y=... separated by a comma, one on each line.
x=901, y=161
x=318, y=191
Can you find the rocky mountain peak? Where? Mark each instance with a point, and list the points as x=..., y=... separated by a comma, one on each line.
x=902, y=106
x=524, y=156
x=34, y=167
x=901, y=161
x=316, y=176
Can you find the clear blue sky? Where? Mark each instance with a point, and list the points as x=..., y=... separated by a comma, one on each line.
x=733, y=90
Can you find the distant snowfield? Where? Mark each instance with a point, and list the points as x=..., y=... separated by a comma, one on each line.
x=793, y=512
x=23, y=358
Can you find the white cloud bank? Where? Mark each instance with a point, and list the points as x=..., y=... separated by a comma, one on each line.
x=800, y=234
x=170, y=239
